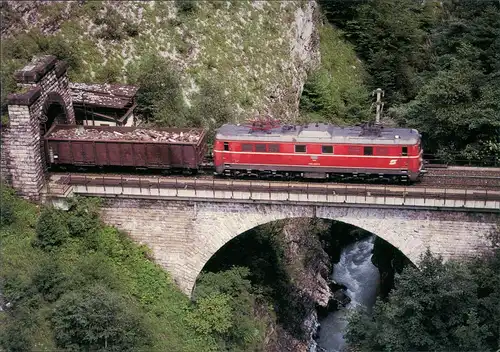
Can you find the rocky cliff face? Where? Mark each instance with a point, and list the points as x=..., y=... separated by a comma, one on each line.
x=308, y=266
x=259, y=51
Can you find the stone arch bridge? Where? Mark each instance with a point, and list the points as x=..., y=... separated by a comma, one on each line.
x=184, y=234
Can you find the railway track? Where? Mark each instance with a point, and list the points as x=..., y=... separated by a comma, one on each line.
x=459, y=178
x=235, y=189
x=465, y=171
x=463, y=177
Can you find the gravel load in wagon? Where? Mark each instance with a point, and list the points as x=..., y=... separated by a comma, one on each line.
x=138, y=134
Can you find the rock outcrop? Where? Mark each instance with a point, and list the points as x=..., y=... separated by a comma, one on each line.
x=309, y=267
x=258, y=51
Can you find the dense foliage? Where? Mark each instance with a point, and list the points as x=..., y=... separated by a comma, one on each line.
x=160, y=99
x=439, y=65
x=335, y=91
x=70, y=282
x=97, y=318
x=226, y=305
x=268, y=271
x=450, y=306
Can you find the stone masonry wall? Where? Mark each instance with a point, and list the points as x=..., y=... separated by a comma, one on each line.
x=43, y=78
x=21, y=148
x=4, y=174
x=184, y=235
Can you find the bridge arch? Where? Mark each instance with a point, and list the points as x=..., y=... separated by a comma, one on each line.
x=233, y=225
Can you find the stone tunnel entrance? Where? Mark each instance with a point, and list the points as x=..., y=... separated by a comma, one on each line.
x=45, y=97
x=54, y=111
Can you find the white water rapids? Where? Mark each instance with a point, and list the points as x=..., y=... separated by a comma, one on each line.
x=356, y=271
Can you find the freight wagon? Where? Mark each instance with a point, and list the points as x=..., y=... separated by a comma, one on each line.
x=141, y=148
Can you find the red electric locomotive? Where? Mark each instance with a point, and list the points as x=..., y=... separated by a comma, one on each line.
x=319, y=151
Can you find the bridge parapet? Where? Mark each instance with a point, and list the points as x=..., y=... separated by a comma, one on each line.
x=217, y=190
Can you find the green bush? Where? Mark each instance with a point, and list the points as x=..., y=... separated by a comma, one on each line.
x=51, y=229
x=212, y=314
x=210, y=107
x=61, y=48
x=94, y=268
x=98, y=319
x=49, y=280
x=159, y=98
x=7, y=215
x=225, y=305
x=114, y=24
x=109, y=73
x=185, y=6
x=15, y=337
x=16, y=288
x=83, y=217
x=335, y=92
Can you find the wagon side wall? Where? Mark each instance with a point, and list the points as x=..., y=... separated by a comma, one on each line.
x=124, y=153
x=201, y=148
x=132, y=153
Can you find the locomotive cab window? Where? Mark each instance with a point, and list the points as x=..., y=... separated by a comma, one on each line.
x=226, y=146
x=260, y=147
x=327, y=149
x=368, y=150
x=404, y=151
x=300, y=149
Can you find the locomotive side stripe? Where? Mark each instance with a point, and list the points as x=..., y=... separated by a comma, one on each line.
x=328, y=155
x=236, y=165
